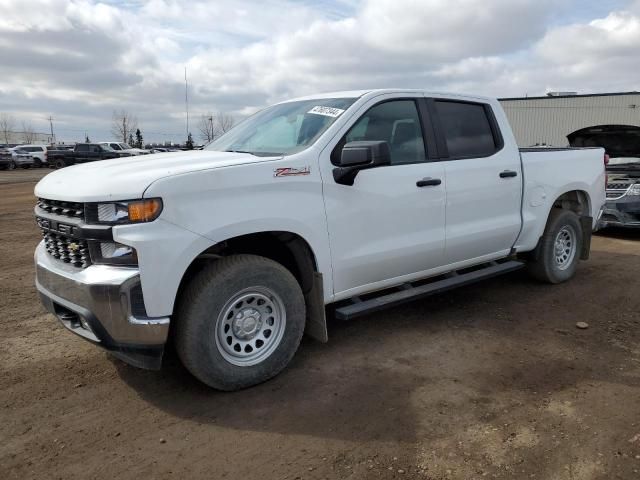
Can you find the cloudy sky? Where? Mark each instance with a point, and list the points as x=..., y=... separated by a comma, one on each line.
x=79, y=60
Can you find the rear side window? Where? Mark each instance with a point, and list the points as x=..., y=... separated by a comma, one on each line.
x=82, y=148
x=466, y=128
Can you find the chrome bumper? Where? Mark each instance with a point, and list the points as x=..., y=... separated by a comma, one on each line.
x=99, y=303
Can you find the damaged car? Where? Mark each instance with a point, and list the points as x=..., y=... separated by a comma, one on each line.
x=622, y=208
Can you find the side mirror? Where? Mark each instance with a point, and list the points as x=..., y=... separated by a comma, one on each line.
x=360, y=155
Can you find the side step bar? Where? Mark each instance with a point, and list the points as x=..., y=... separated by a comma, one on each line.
x=409, y=292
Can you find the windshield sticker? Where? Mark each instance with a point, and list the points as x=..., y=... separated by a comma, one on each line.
x=326, y=111
x=291, y=172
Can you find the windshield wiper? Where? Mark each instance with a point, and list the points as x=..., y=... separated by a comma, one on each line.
x=241, y=151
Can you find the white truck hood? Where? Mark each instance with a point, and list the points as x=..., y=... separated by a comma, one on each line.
x=127, y=178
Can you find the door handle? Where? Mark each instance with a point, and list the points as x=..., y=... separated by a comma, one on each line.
x=508, y=174
x=428, y=182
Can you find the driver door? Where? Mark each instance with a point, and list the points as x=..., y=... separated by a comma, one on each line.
x=389, y=226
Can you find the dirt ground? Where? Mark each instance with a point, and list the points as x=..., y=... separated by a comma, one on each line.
x=489, y=381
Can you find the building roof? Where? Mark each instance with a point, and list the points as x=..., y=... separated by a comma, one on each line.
x=551, y=97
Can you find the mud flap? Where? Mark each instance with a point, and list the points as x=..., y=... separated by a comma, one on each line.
x=587, y=232
x=316, y=326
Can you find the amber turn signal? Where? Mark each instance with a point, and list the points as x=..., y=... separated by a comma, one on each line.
x=145, y=210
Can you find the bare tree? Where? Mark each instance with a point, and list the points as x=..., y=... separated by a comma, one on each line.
x=28, y=133
x=205, y=125
x=223, y=122
x=211, y=125
x=123, y=125
x=6, y=126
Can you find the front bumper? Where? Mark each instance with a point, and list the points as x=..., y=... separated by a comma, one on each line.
x=104, y=305
x=624, y=212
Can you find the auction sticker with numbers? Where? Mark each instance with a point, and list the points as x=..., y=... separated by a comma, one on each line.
x=326, y=111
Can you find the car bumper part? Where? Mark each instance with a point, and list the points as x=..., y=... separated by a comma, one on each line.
x=104, y=305
x=624, y=212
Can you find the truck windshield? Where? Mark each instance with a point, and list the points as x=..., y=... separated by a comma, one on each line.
x=282, y=129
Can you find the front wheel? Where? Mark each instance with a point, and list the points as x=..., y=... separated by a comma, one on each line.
x=239, y=322
x=558, y=252
x=12, y=165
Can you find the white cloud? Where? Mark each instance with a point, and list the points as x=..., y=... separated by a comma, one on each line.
x=80, y=59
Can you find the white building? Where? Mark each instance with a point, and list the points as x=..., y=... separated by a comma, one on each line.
x=611, y=120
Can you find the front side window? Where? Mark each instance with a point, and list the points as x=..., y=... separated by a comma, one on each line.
x=282, y=129
x=82, y=148
x=397, y=123
x=115, y=146
x=466, y=128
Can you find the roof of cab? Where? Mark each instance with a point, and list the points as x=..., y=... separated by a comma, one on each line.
x=382, y=91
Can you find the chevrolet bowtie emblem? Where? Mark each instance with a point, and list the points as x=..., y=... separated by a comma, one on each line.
x=74, y=247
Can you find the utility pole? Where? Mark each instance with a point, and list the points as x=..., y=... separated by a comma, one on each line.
x=186, y=98
x=53, y=137
x=211, y=126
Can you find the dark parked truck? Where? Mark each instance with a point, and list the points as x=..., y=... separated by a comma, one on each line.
x=623, y=193
x=83, y=153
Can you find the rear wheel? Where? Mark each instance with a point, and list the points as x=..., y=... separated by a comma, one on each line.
x=37, y=163
x=558, y=251
x=239, y=322
x=60, y=163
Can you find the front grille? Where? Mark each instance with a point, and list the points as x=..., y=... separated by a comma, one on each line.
x=617, y=189
x=615, y=193
x=65, y=209
x=618, y=186
x=67, y=249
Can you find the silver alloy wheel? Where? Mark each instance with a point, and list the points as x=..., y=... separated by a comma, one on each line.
x=250, y=326
x=565, y=247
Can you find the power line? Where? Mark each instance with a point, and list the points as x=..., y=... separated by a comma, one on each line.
x=53, y=137
x=186, y=98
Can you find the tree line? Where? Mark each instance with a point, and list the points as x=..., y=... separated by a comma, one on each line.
x=124, y=127
x=8, y=126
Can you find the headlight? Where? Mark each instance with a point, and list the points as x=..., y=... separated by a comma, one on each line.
x=634, y=190
x=112, y=253
x=132, y=211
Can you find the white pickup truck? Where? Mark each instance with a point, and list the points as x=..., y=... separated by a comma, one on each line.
x=359, y=200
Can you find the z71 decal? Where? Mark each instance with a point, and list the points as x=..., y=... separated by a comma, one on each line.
x=291, y=172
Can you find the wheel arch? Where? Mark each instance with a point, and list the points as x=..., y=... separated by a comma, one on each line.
x=284, y=247
x=576, y=200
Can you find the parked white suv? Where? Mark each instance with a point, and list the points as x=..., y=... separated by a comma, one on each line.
x=360, y=200
x=38, y=153
x=124, y=147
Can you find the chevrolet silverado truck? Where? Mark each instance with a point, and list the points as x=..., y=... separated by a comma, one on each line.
x=354, y=201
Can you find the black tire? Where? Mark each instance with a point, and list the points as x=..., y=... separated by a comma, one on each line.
x=12, y=165
x=60, y=163
x=200, y=320
x=26, y=166
x=546, y=266
x=37, y=163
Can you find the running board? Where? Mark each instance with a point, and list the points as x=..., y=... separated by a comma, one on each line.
x=408, y=292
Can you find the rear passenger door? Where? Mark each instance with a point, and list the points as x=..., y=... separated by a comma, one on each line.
x=483, y=178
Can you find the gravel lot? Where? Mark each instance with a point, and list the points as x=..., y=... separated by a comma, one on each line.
x=489, y=381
